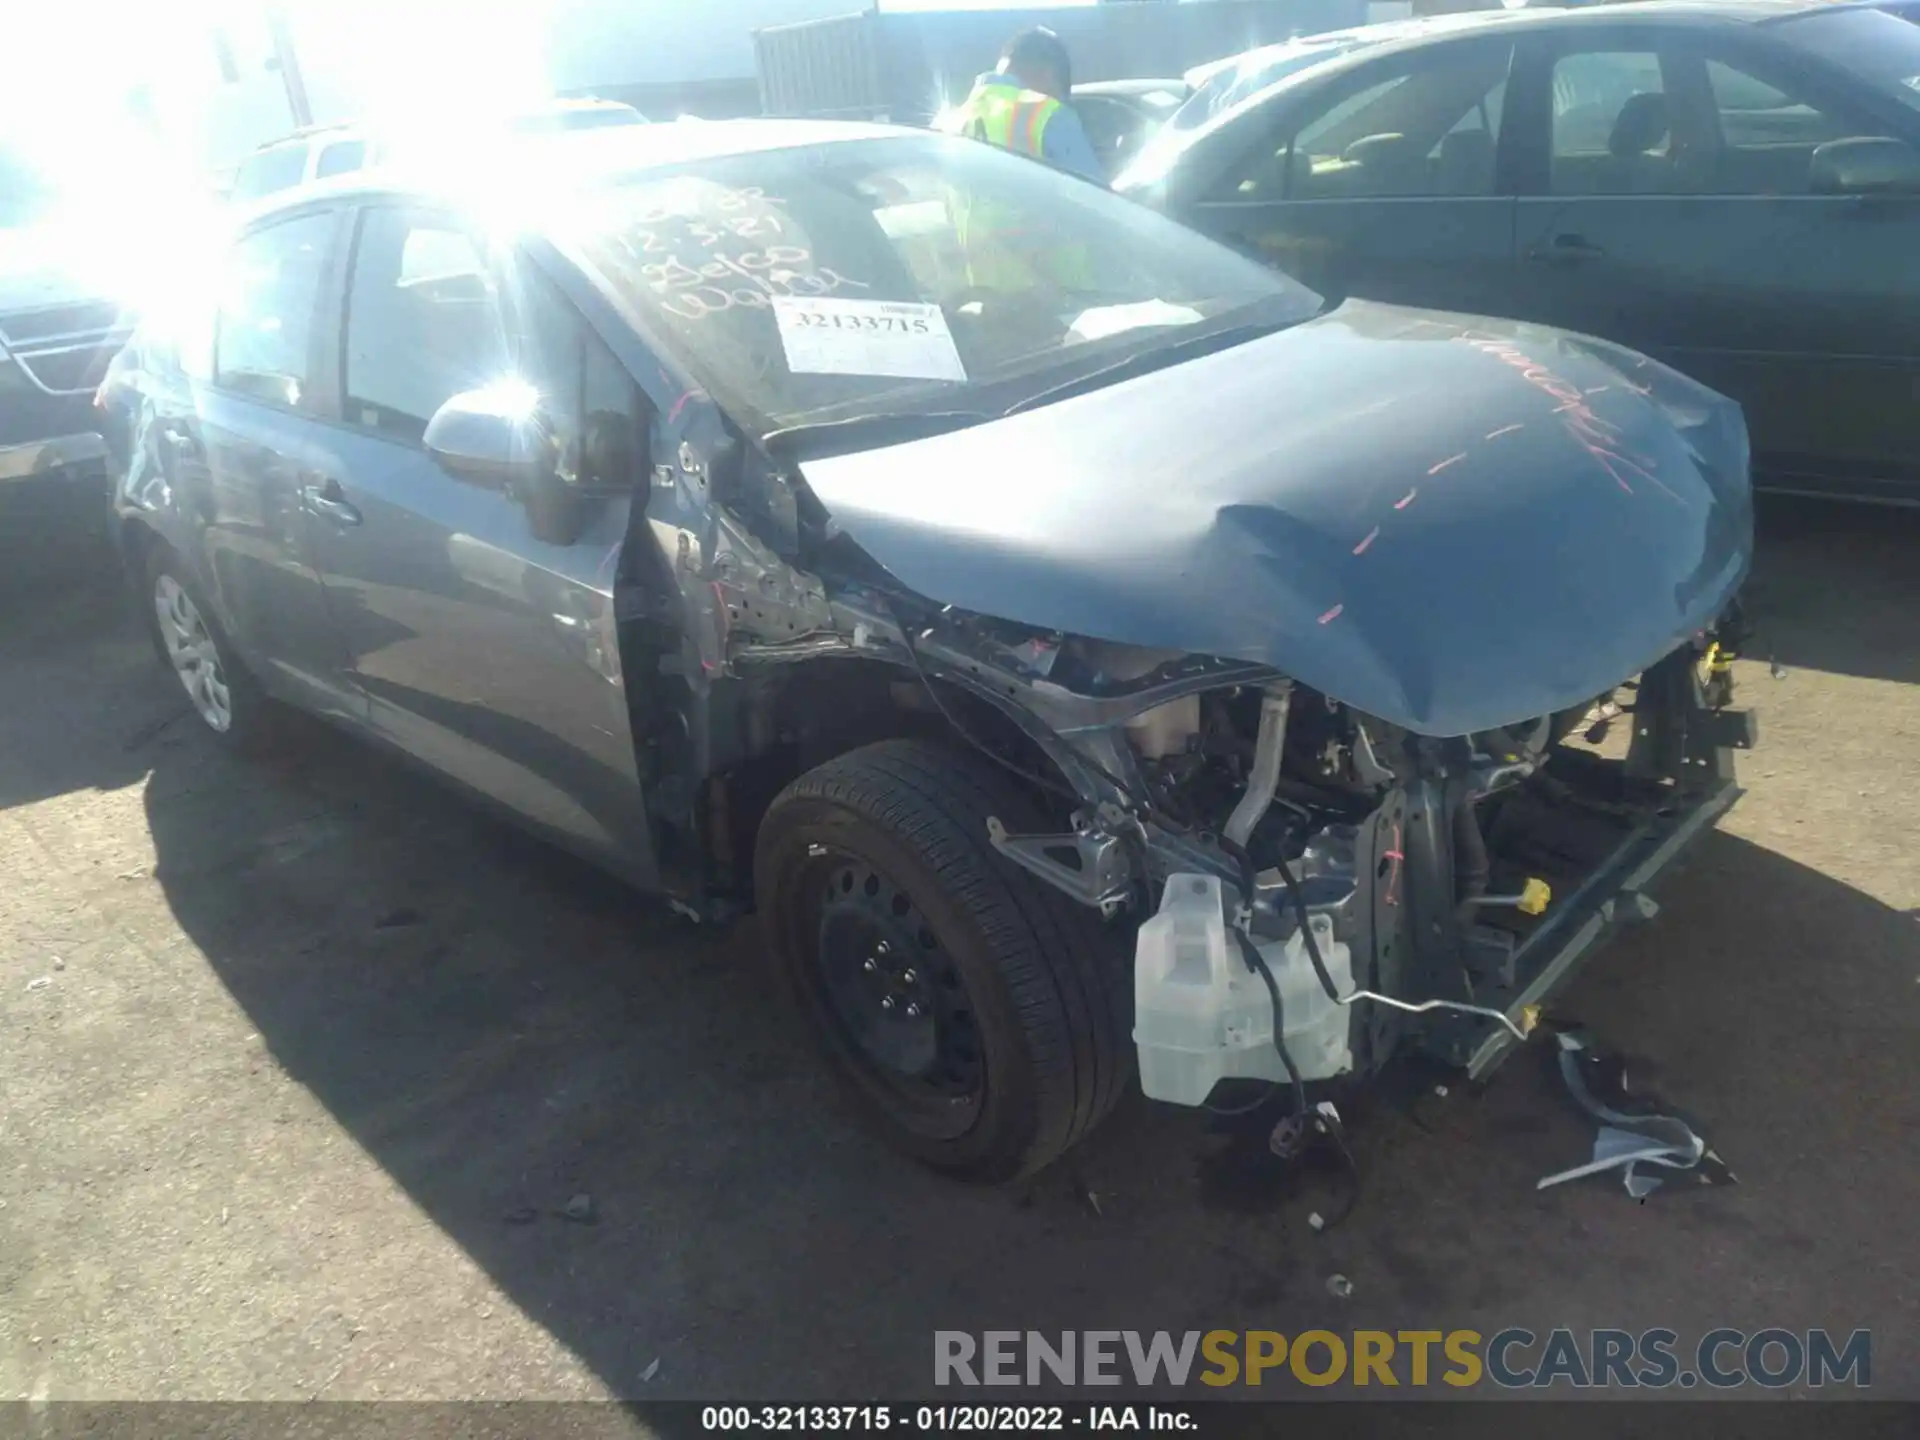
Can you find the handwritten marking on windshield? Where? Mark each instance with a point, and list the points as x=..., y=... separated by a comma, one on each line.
x=689, y=262
x=1504, y=430
x=1450, y=460
x=1333, y=614
x=1402, y=504
x=1372, y=535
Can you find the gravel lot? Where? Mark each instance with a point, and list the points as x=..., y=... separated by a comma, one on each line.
x=301, y=1060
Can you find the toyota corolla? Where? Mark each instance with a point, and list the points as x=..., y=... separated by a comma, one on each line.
x=1089, y=652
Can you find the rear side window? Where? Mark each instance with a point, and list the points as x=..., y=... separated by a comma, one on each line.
x=1613, y=125
x=340, y=158
x=423, y=320
x=264, y=336
x=266, y=171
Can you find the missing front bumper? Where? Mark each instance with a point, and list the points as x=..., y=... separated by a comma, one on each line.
x=1616, y=894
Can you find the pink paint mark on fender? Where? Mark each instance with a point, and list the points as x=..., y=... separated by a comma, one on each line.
x=1333, y=614
x=1504, y=430
x=1408, y=500
x=681, y=404
x=1372, y=535
x=1450, y=460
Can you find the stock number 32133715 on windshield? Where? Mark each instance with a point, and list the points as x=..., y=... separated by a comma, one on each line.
x=899, y=324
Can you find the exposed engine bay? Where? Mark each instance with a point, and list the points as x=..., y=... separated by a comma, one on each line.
x=1281, y=852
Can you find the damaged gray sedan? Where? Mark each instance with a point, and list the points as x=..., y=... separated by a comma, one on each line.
x=1089, y=653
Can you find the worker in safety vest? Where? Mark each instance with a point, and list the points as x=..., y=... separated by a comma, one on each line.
x=1018, y=107
x=1022, y=106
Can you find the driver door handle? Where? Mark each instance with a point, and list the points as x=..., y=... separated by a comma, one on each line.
x=1566, y=250
x=328, y=503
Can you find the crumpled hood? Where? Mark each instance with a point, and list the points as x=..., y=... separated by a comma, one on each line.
x=1447, y=522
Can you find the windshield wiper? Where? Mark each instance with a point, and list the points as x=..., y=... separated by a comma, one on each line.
x=1147, y=361
x=822, y=438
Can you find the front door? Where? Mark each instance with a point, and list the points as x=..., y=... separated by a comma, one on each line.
x=489, y=654
x=1384, y=184
x=1669, y=205
x=237, y=456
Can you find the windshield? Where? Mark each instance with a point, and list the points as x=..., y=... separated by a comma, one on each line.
x=1227, y=86
x=885, y=277
x=596, y=117
x=1881, y=49
x=26, y=191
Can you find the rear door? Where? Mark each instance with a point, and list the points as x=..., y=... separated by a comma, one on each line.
x=489, y=654
x=1668, y=206
x=1385, y=181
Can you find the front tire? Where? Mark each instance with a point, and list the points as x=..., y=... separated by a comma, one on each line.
x=225, y=698
x=980, y=1019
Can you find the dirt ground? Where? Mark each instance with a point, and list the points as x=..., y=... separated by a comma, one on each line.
x=301, y=1060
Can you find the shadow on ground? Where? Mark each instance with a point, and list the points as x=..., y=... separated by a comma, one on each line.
x=1836, y=588
x=503, y=1030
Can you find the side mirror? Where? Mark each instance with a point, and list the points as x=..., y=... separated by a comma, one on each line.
x=1865, y=167
x=497, y=437
x=493, y=437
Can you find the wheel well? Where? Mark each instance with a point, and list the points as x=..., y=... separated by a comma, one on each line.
x=806, y=715
x=139, y=542
x=137, y=539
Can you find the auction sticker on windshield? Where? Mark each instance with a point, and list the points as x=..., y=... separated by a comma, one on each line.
x=826, y=335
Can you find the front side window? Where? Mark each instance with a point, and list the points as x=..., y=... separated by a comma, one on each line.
x=423, y=320
x=591, y=406
x=1430, y=129
x=270, y=294
x=895, y=275
x=1767, y=135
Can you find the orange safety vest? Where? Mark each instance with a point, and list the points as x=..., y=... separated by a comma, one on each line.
x=1000, y=255
x=1001, y=113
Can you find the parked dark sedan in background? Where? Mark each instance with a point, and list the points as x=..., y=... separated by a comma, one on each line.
x=1121, y=116
x=703, y=503
x=1734, y=188
x=60, y=326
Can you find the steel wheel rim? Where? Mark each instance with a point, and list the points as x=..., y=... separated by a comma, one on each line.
x=192, y=653
x=924, y=1052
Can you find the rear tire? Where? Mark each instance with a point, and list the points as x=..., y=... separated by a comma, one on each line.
x=1008, y=1035
x=224, y=697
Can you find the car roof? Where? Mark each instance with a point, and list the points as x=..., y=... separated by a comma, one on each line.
x=585, y=157
x=1412, y=32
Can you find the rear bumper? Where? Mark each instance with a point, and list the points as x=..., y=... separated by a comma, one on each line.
x=1615, y=895
x=87, y=450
